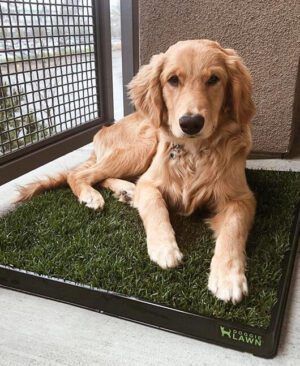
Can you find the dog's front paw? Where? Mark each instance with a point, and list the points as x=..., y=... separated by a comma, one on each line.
x=165, y=254
x=227, y=280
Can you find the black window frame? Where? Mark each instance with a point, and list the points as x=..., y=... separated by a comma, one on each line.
x=30, y=157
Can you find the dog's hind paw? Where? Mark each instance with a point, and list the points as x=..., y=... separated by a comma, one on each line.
x=126, y=195
x=92, y=199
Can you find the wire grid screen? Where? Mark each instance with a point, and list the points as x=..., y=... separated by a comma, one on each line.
x=47, y=63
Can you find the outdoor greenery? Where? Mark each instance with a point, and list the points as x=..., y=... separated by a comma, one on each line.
x=54, y=235
x=16, y=130
x=34, y=37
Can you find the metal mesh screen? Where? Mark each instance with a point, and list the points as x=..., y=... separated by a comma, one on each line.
x=47, y=63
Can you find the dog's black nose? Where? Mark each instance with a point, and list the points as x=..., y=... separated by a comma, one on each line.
x=191, y=123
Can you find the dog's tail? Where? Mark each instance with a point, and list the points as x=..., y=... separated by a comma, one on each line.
x=48, y=183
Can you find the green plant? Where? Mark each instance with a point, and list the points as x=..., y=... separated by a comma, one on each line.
x=16, y=130
x=55, y=236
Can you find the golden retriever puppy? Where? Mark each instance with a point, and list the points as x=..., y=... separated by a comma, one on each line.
x=185, y=147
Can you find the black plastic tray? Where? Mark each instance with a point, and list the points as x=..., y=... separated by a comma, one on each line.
x=258, y=341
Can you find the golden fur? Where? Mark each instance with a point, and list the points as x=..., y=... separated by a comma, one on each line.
x=172, y=169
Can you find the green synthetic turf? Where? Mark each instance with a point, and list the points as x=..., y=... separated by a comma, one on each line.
x=54, y=235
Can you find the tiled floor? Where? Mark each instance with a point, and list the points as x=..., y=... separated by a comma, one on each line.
x=35, y=331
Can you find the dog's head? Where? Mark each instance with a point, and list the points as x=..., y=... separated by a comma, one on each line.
x=193, y=87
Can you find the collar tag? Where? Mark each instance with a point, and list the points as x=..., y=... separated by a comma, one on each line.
x=176, y=151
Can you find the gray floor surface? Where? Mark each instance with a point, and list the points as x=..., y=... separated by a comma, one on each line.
x=36, y=331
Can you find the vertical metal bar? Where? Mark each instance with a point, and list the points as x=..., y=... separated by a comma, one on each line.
x=130, y=46
x=103, y=59
x=49, y=64
x=48, y=70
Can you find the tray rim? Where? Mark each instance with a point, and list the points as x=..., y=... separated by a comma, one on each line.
x=162, y=316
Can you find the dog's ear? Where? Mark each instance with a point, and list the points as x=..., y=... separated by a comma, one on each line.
x=145, y=90
x=239, y=102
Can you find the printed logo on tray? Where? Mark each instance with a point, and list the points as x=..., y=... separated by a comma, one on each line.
x=241, y=336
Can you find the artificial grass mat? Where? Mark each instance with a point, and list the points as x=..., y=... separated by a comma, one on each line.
x=56, y=236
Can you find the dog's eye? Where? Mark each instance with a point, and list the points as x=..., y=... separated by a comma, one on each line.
x=212, y=80
x=174, y=81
